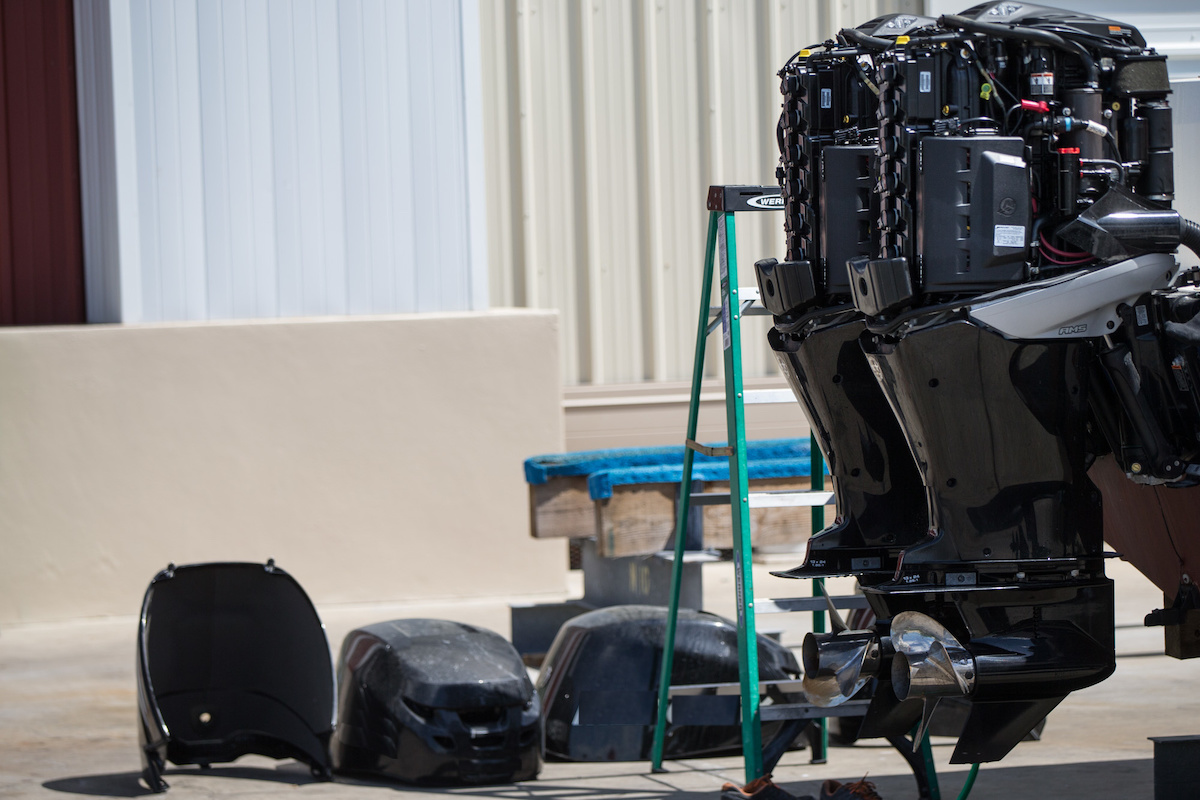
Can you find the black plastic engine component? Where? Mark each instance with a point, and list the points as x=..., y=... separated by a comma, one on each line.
x=232, y=659
x=881, y=506
x=430, y=701
x=848, y=209
x=829, y=172
x=999, y=429
x=786, y=287
x=1121, y=225
x=599, y=684
x=973, y=233
x=880, y=286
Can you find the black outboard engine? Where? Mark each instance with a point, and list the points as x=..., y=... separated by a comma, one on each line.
x=828, y=172
x=430, y=701
x=1021, y=312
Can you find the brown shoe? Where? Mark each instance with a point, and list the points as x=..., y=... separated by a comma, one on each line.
x=859, y=790
x=758, y=789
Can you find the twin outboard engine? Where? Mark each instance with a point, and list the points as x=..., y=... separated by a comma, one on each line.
x=980, y=299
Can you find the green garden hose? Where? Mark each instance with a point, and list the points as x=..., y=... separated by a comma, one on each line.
x=966, y=790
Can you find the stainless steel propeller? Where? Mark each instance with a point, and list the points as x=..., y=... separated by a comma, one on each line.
x=837, y=665
x=930, y=663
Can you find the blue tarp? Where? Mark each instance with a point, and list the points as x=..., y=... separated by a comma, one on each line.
x=766, y=458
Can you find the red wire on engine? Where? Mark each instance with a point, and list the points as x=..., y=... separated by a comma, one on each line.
x=1071, y=257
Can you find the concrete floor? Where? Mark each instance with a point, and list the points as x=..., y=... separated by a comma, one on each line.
x=68, y=711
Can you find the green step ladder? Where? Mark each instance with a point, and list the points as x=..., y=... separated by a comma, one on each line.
x=721, y=248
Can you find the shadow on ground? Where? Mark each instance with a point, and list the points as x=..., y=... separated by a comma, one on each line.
x=129, y=784
x=1075, y=781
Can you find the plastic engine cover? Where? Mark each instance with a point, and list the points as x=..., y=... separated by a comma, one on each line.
x=232, y=660
x=431, y=701
x=599, y=685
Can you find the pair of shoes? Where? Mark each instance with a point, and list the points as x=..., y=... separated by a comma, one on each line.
x=859, y=790
x=758, y=789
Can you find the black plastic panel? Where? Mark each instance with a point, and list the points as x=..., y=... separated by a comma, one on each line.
x=974, y=198
x=848, y=210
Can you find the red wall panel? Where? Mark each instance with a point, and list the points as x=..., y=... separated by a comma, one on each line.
x=41, y=249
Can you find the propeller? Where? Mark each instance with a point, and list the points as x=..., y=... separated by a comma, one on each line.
x=837, y=665
x=930, y=663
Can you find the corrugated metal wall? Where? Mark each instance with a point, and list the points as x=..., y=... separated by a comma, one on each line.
x=281, y=157
x=607, y=120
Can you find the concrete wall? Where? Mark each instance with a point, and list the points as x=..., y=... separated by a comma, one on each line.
x=376, y=459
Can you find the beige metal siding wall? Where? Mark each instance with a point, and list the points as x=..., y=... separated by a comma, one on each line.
x=606, y=121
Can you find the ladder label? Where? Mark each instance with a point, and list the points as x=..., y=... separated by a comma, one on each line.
x=724, y=261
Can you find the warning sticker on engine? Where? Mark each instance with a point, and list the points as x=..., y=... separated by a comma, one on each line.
x=1009, y=236
x=1041, y=83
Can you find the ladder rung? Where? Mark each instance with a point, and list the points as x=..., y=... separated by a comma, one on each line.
x=745, y=308
x=788, y=499
x=784, y=605
x=764, y=396
x=777, y=711
x=766, y=499
x=692, y=444
x=749, y=309
x=750, y=294
x=788, y=685
x=690, y=556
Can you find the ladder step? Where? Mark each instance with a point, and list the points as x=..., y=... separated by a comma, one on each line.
x=766, y=499
x=690, y=556
x=788, y=499
x=777, y=711
x=765, y=396
x=784, y=605
x=692, y=444
x=788, y=686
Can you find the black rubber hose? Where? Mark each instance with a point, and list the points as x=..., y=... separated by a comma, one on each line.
x=864, y=40
x=1189, y=235
x=1026, y=34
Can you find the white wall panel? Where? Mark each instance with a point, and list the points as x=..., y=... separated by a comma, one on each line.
x=108, y=160
x=607, y=122
x=292, y=157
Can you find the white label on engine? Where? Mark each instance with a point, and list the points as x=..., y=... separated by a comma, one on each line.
x=926, y=82
x=1009, y=236
x=827, y=98
x=1041, y=83
x=1143, y=317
